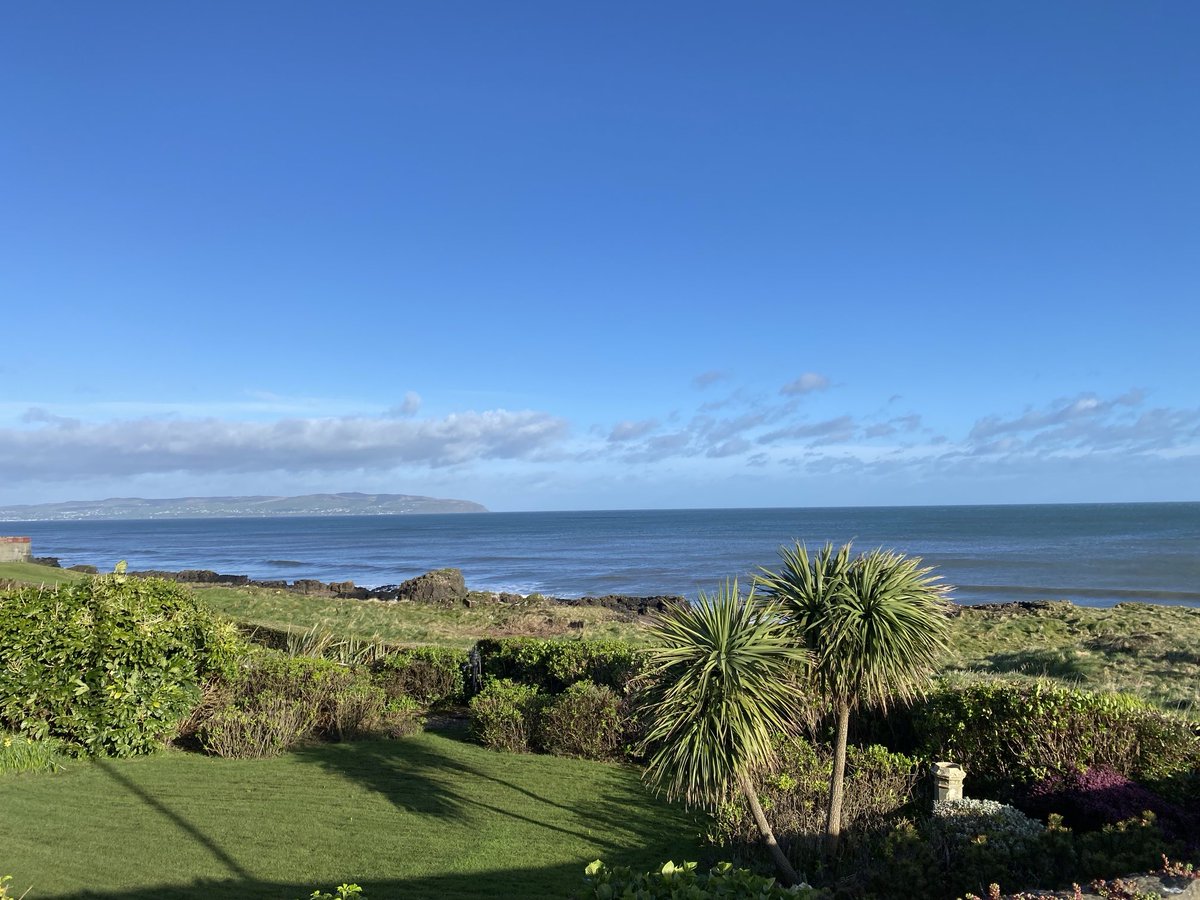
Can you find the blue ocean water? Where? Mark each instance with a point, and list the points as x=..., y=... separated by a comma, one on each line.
x=1094, y=554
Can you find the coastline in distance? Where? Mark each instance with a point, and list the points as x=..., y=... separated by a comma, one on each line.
x=343, y=504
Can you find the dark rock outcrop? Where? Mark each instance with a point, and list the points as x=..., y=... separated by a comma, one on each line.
x=1012, y=608
x=445, y=587
x=623, y=603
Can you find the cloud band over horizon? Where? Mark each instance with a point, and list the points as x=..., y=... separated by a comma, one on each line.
x=747, y=432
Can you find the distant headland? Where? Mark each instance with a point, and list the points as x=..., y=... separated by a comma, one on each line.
x=344, y=504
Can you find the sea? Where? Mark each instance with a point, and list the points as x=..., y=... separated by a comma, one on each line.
x=1090, y=554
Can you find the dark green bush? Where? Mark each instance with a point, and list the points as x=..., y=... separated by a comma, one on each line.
x=965, y=849
x=553, y=665
x=110, y=664
x=432, y=676
x=584, y=721
x=978, y=842
x=1007, y=734
x=266, y=725
x=879, y=788
x=504, y=715
x=401, y=717
x=275, y=700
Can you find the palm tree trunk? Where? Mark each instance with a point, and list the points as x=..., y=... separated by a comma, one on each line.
x=786, y=873
x=833, y=826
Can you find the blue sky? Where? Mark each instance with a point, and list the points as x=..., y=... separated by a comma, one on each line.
x=569, y=255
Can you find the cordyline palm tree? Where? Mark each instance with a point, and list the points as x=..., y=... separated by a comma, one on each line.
x=876, y=626
x=719, y=692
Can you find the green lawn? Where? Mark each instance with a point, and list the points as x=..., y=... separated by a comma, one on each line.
x=429, y=816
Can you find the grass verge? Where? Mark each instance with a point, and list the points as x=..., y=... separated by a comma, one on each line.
x=401, y=622
x=32, y=573
x=429, y=816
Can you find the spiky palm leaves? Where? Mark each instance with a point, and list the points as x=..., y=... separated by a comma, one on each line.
x=720, y=683
x=876, y=626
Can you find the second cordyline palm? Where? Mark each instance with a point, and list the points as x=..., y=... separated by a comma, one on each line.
x=720, y=678
x=876, y=626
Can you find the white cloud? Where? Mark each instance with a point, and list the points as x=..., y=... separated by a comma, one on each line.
x=840, y=428
x=36, y=415
x=805, y=384
x=408, y=406
x=628, y=430
x=66, y=451
x=709, y=378
x=1084, y=406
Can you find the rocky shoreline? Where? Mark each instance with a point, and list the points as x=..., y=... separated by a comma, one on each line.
x=439, y=587
x=447, y=587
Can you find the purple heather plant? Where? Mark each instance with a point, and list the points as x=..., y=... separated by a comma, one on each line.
x=1090, y=799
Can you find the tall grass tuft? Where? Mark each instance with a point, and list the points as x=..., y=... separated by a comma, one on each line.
x=20, y=754
x=324, y=644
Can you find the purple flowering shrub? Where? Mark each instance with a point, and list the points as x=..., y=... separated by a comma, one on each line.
x=1090, y=799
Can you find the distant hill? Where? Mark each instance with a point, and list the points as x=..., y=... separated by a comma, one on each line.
x=349, y=504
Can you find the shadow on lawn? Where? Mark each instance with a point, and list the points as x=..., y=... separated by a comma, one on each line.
x=622, y=822
x=501, y=883
x=417, y=778
x=184, y=825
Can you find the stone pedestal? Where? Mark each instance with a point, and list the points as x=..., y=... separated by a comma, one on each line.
x=947, y=781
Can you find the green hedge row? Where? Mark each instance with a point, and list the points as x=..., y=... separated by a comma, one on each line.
x=1007, y=733
x=553, y=665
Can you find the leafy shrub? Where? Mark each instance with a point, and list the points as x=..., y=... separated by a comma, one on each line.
x=344, y=892
x=20, y=754
x=957, y=824
x=968, y=845
x=1089, y=800
x=554, y=665
x=273, y=701
x=584, y=721
x=268, y=725
x=354, y=708
x=110, y=664
x=683, y=881
x=978, y=842
x=401, y=717
x=1008, y=733
x=504, y=715
x=433, y=676
x=879, y=786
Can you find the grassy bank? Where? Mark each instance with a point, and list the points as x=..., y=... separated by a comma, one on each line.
x=31, y=573
x=1138, y=648
x=428, y=816
x=403, y=622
